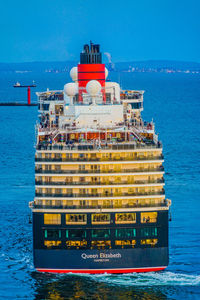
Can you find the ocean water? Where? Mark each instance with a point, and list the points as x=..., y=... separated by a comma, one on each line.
x=173, y=101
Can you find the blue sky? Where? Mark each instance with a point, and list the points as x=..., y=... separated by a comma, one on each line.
x=55, y=30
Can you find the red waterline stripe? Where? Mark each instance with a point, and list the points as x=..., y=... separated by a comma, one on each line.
x=98, y=271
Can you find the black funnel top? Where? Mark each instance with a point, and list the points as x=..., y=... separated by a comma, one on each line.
x=91, y=54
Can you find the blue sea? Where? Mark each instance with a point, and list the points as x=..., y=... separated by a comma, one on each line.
x=173, y=101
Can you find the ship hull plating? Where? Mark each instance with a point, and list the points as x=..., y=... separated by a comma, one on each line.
x=105, y=261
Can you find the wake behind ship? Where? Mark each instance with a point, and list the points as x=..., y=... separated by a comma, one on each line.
x=99, y=203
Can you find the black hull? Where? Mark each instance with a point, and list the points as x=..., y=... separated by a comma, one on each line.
x=97, y=261
x=139, y=258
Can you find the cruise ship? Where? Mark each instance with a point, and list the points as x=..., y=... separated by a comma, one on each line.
x=100, y=204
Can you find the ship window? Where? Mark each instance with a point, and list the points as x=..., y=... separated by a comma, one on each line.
x=57, y=167
x=123, y=243
x=75, y=233
x=69, y=192
x=136, y=105
x=81, y=167
x=101, y=233
x=76, y=219
x=149, y=217
x=100, y=218
x=76, y=244
x=48, y=191
x=124, y=233
x=50, y=244
x=108, y=97
x=151, y=242
x=52, y=234
x=58, y=191
x=125, y=218
x=118, y=135
x=100, y=244
x=82, y=179
x=52, y=219
x=45, y=106
x=47, y=155
x=149, y=231
x=94, y=191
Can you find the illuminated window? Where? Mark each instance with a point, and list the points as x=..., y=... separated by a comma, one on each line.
x=125, y=243
x=151, y=242
x=125, y=233
x=76, y=219
x=76, y=244
x=100, y=218
x=94, y=191
x=124, y=218
x=57, y=167
x=81, y=167
x=149, y=231
x=52, y=234
x=81, y=156
x=58, y=191
x=75, y=233
x=100, y=244
x=130, y=190
x=149, y=217
x=101, y=233
x=118, y=135
x=82, y=179
x=51, y=244
x=52, y=219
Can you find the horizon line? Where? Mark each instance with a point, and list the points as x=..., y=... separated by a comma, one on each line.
x=115, y=62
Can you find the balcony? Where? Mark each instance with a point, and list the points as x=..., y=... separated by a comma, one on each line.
x=102, y=195
x=83, y=183
x=104, y=146
x=97, y=159
x=40, y=171
x=164, y=203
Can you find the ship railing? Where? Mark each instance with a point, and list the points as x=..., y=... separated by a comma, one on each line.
x=71, y=195
x=126, y=94
x=161, y=204
x=99, y=183
x=96, y=159
x=92, y=147
x=133, y=125
x=40, y=171
x=131, y=97
x=99, y=102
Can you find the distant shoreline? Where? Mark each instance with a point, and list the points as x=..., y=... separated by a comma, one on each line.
x=150, y=66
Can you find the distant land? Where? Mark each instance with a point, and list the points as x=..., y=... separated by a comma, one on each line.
x=160, y=66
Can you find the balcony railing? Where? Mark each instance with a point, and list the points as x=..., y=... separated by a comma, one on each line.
x=99, y=183
x=73, y=195
x=106, y=146
x=38, y=206
x=96, y=159
x=38, y=171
